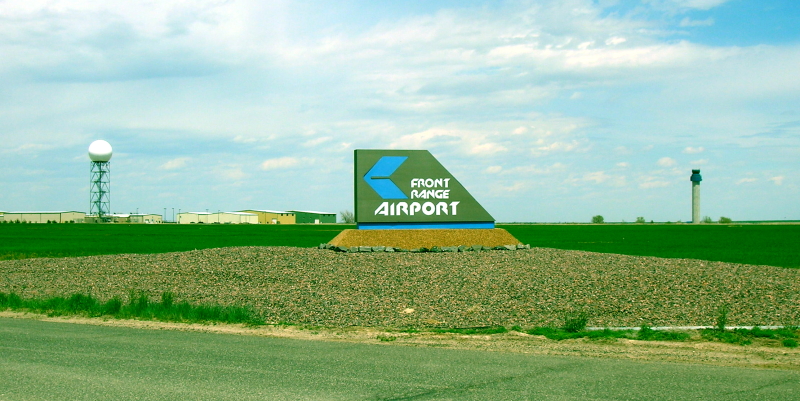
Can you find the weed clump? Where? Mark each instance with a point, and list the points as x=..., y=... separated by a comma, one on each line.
x=139, y=306
x=575, y=323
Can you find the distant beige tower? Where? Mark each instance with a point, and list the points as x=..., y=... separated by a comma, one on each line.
x=696, y=178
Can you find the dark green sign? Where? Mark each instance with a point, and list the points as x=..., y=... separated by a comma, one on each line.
x=411, y=189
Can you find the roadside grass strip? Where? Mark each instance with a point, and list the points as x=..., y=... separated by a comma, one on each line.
x=139, y=307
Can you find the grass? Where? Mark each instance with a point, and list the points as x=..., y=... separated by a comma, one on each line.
x=139, y=306
x=22, y=241
x=767, y=244
x=788, y=336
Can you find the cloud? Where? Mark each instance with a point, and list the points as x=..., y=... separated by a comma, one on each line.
x=316, y=141
x=534, y=170
x=487, y=149
x=513, y=188
x=684, y=5
x=651, y=183
x=666, y=162
x=600, y=177
x=690, y=150
x=623, y=164
x=746, y=181
x=28, y=148
x=688, y=22
x=616, y=40
x=231, y=172
x=175, y=164
x=557, y=146
x=494, y=169
x=279, y=163
x=244, y=139
x=777, y=180
x=424, y=139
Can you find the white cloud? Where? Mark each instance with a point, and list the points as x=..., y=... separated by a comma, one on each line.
x=623, y=164
x=175, y=164
x=688, y=22
x=600, y=177
x=487, y=149
x=280, y=163
x=231, y=173
x=316, y=141
x=30, y=148
x=424, y=139
x=683, y=5
x=690, y=150
x=666, y=162
x=557, y=147
x=513, y=188
x=746, y=181
x=777, y=180
x=494, y=169
x=534, y=170
x=650, y=183
x=597, y=176
x=244, y=139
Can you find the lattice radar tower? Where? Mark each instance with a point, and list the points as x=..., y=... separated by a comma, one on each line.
x=100, y=180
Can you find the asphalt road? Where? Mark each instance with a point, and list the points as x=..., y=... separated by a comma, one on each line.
x=62, y=361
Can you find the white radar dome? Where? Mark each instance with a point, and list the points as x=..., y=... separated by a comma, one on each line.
x=100, y=151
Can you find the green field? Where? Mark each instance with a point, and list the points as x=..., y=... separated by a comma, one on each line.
x=19, y=241
x=758, y=244
x=766, y=244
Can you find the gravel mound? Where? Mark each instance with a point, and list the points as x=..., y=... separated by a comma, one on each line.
x=410, y=239
x=525, y=287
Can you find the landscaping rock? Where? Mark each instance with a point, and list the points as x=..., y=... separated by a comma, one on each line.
x=536, y=287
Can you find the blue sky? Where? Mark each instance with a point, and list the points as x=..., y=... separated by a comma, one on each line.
x=547, y=111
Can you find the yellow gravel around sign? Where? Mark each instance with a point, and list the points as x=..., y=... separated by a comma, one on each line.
x=410, y=239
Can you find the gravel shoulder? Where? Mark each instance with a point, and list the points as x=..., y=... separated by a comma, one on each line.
x=536, y=287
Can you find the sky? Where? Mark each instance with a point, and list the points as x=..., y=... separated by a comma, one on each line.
x=546, y=111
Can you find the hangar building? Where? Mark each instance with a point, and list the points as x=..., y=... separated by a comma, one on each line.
x=273, y=216
x=311, y=217
x=44, y=217
x=137, y=218
x=233, y=218
x=193, y=217
x=217, y=218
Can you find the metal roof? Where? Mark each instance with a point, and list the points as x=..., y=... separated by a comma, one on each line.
x=45, y=212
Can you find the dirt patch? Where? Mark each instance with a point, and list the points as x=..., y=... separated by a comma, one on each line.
x=696, y=351
x=411, y=239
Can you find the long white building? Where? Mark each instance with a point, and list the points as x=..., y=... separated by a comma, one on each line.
x=44, y=217
x=217, y=218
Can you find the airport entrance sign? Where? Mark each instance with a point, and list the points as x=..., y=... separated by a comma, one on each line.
x=411, y=189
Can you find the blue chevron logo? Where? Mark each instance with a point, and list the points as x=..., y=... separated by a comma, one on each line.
x=378, y=177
